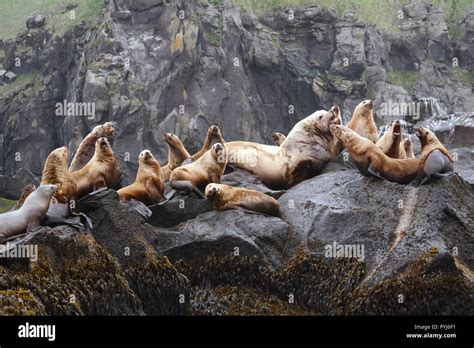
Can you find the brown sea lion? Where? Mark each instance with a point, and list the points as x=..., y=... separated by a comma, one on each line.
x=225, y=197
x=391, y=141
x=86, y=149
x=30, y=216
x=101, y=171
x=55, y=172
x=370, y=160
x=278, y=138
x=305, y=151
x=24, y=193
x=213, y=134
x=362, y=121
x=148, y=186
x=195, y=176
x=408, y=146
x=177, y=153
x=435, y=159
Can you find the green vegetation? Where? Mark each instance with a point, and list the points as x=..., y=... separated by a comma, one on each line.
x=20, y=83
x=406, y=79
x=381, y=13
x=13, y=14
x=6, y=204
x=463, y=76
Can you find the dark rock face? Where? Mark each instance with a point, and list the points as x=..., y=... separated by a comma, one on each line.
x=155, y=66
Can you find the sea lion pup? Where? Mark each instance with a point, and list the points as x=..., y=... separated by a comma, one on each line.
x=24, y=194
x=309, y=146
x=195, y=176
x=86, y=149
x=278, y=138
x=213, y=133
x=370, y=160
x=177, y=153
x=362, y=121
x=101, y=171
x=225, y=197
x=30, y=216
x=55, y=172
x=408, y=146
x=435, y=159
x=149, y=185
x=391, y=141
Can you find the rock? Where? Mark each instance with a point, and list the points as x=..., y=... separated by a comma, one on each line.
x=73, y=275
x=345, y=208
x=9, y=76
x=35, y=20
x=241, y=178
x=224, y=233
x=11, y=187
x=152, y=277
x=2, y=75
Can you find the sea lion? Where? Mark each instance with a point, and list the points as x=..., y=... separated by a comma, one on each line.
x=278, y=138
x=362, y=121
x=148, y=186
x=435, y=159
x=55, y=172
x=225, y=197
x=101, y=171
x=305, y=151
x=86, y=149
x=213, y=133
x=30, y=216
x=391, y=141
x=24, y=194
x=370, y=160
x=177, y=153
x=408, y=146
x=196, y=175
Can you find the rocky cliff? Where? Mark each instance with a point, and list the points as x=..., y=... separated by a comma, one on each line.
x=180, y=66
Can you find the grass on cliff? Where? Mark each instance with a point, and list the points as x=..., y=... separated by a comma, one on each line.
x=6, y=204
x=406, y=79
x=381, y=13
x=20, y=82
x=13, y=14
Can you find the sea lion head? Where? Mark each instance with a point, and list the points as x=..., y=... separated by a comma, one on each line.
x=214, y=131
x=212, y=191
x=108, y=129
x=102, y=146
x=396, y=128
x=426, y=136
x=47, y=190
x=325, y=119
x=218, y=152
x=364, y=108
x=172, y=139
x=277, y=137
x=407, y=143
x=147, y=157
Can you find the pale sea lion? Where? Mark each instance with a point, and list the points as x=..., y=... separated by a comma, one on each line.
x=195, y=176
x=30, y=216
x=362, y=121
x=391, y=141
x=86, y=149
x=408, y=146
x=370, y=160
x=148, y=186
x=225, y=197
x=177, y=153
x=305, y=151
x=435, y=159
x=278, y=138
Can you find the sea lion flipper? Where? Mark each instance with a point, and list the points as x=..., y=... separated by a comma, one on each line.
x=186, y=185
x=374, y=172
